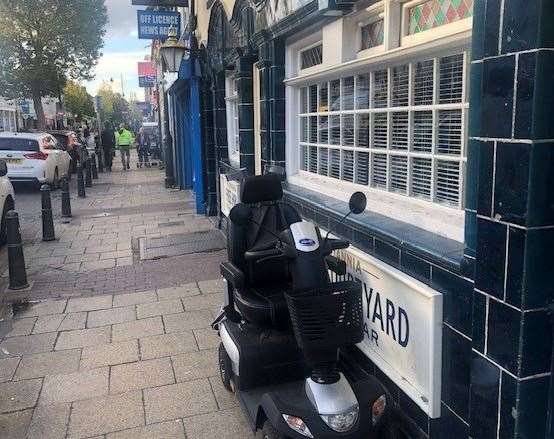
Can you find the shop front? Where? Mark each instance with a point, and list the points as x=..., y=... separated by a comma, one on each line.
x=437, y=111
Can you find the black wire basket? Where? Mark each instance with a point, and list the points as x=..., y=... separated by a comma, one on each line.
x=327, y=318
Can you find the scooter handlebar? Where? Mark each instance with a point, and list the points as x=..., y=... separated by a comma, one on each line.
x=262, y=254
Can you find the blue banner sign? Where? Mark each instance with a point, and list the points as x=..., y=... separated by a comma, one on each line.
x=147, y=81
x=154, y=25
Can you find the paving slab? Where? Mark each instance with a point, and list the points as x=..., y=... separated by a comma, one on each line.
x=137, y=329
x=107, y=414
x=48, y=363
x=109, y=354
x=14, y=425
x=206, y=338
x=27, y=344
x=163, y=430
x=180, y=291
x=19, y=395
x=49, y=422
x=7, y=368
x=134, y=298
x=81, y=338
x=225, y=424
x=141, y=375
x=224, y=398
x=43, y=308
x=207, y=301
x=75, y=386
x=89, y=303
x=178, y=401
x=111, y=316
x=159, y=308
x=167, y=344
x=195, y=365
x=16, y=327
x=187, y=320
x=212, y=286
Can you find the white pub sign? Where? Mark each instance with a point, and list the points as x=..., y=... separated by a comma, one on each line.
x=402, y=327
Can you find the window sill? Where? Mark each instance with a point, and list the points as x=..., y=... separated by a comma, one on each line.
x=434, y=218
x=326, y=209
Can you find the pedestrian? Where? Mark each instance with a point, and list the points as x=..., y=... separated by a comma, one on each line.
x=108, y=143
x=124, y=141
x=143, y=141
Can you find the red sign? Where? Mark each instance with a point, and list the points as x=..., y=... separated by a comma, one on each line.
x=146, y=68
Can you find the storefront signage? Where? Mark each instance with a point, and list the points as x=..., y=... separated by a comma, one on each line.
x=154, y=25
x=147, y=74
x=183, y=3
x=230, y=193
x=402, y=327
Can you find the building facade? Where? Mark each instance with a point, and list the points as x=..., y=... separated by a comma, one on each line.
x=438, y=111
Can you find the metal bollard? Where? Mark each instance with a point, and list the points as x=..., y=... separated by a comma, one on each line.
x=100, y=162
x=94, y=168
x=47, y=220
x=80, y=182
x=66, y=200
x=88, y=173
x=16, y=259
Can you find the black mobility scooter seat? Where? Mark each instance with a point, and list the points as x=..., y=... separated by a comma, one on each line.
x=255, y=224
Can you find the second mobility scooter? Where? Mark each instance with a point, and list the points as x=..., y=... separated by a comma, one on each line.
x=283, y=324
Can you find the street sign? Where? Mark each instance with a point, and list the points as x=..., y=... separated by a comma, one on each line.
x=154, y=25
x=183, y=3
x=147, y=74
x=402, y=327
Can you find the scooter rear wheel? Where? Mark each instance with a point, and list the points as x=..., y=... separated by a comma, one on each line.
x=225, y=368
x=269, y=432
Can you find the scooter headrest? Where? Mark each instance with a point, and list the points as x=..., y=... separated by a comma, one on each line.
x=261, y=188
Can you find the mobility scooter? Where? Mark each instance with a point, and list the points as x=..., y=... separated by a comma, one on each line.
x=283, y=324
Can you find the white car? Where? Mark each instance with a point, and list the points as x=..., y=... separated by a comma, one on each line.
x=34, y=157
x=7, y=199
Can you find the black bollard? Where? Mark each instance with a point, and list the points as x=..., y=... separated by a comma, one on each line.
x=80, y=182
x=100, y=162
x=47, y=220
x=94, y=168
x=16, y=259
x=66, y=200
x=88, y=173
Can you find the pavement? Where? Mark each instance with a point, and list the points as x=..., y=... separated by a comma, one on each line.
x=105, y=344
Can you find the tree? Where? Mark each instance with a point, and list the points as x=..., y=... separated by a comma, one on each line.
x=113, y=107
x=77, y=101
x=45, y=42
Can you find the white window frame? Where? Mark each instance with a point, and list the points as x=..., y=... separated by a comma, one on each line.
x=377, y=12
x=439, y=41
x=232, y=116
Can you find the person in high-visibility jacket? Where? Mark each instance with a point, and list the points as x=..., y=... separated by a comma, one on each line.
x=124, y=140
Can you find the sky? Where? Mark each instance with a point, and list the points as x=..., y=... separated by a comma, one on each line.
x=122, y=50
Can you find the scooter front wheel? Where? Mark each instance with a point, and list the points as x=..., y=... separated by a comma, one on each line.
x=225, y=368
x=269, y=432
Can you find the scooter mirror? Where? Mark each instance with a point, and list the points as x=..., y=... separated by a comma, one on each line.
x=357, y=203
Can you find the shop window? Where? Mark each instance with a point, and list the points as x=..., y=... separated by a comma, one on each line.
x=399, y=129
x=372, y=34
x=232, y=113
x=430, y=14
x=311, y=57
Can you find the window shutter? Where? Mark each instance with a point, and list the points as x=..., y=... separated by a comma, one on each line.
x=400, y=86
x=313, y=129
x=323, y=97
x=448, y=182
x=380, y=127
x=313, y=159
x=323, y=161
x=348, y=93
x=323, y=129
x=304, y=129
x=304, y=158
x=362, y=92
x=422, y=170
x=334, y=91
x=313, y=99
x=399, y=173
x=335, y=163
x=348, y=129
x=423, y=82
x=380, y=89
x=348, y=165
x=423, y=131
x=334, y=124
x=450, y=132
x=362, y=127
x=379, y=171
x=399, y=130
x=451, y=79
x=362, y=168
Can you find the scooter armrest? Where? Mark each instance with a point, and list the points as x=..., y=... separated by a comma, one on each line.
x=232, y=274
x=336, y=265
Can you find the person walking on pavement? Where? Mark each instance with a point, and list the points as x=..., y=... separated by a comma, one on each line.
x=142, y=149
x=124, y=141
x=108, y=143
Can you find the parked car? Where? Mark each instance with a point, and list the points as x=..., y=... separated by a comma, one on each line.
x=7, y=199
x=34, y=157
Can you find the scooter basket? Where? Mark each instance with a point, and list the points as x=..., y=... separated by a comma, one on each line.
x=328, y=318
